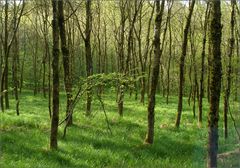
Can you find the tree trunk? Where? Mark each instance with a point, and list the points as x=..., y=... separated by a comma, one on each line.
x=23, y=61
x=182, y=62
x=1, y=68
x=215, y=34
x=121, y=55
x=35, y=57
x=155, y=71
x=229, y=70
x=15, y=61
x=203, y=55
x=6, y=54
x=170, y=57
x=145, y=57
x=55, y=68
x=89, y=62
x=66, y=62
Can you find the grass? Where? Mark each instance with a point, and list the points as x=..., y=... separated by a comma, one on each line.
x=24, y=139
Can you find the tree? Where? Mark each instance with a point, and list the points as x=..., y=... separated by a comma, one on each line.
x=9, y=36
x=203, y=55
x=143, y=57
x=6, y=56
x=55, y=71
x=170, y=54
x=155, y=71
x=182, y=62
x=229, y=70
x=121, y=56
x=15, y=60
x=66, y=61
x=89, y=61
x=47, y=55
x=1, y=65
x=215, y=33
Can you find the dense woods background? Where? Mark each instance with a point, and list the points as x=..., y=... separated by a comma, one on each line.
x=87, y=56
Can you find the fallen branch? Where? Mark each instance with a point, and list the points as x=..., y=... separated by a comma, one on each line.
x=227, y=154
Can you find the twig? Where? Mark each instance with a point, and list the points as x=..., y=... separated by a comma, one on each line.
x=234, y=123
x=105, y=114
x=72, y=106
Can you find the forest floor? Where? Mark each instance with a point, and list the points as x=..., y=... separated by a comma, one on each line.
x=24, y=139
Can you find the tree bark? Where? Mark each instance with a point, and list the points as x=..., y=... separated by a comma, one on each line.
x=121, y=54
x=15, y=61
x=182, y=62
x=170, y=55
x=88, y=54
x=203, y=55
x=215, y=34
x=55, y=68
x=66, y=62
x=229, y=70
x=155, y=71
x=6, y=54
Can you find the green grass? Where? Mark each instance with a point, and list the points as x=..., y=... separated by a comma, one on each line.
x=24, y=139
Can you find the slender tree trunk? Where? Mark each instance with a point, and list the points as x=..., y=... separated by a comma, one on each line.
x=215, y=34
x=88, y=52
x=35, y=57
x=49, y=87
x=146, y=54
x=1, y=67
x=121, y=55
x=55, y=67
x=47, y=56
x=23, y=61
x=7, y=43
x=66, y=62
x=191, y=84
x=46, y=50
x=155, y=71
x=6, y=54
x=44, y=77
x=203, y=55
x=149, y=70
x=100, y=46
x=195, y=83
x=182, y=62
x=170, y=58
x=106, y=69
x=229, y=70
x=238, y=63
x=15, y=58
x=1, y=77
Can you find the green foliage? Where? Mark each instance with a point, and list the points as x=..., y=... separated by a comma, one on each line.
x=108, y=80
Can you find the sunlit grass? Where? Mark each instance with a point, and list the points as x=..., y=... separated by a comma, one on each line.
x=24, y=139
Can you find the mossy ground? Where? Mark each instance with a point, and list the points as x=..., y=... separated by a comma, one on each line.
x=24, y=139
